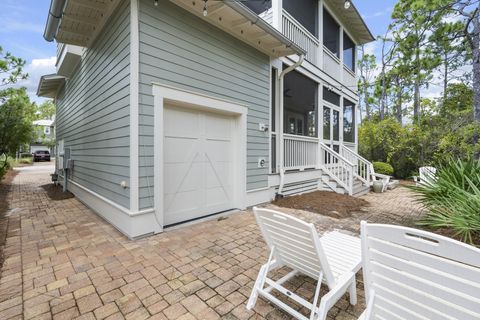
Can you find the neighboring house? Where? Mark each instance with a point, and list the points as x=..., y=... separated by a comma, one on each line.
x=174, y=110
x=44, y=136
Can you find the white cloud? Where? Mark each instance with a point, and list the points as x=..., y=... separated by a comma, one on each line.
x=35, y=69
x=381, y=13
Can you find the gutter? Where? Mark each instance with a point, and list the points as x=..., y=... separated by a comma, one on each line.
x=54, y=17
x=262, y=24
x=282, y=157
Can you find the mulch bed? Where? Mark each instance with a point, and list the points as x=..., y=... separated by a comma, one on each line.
x=5, y=186
x=55, y=192
x=324, y=202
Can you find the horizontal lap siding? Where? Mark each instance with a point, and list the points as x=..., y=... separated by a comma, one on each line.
x=93, y=112
x=180, y=50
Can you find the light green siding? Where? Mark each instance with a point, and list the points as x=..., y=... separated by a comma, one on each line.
x=93, y=112
x=180, y=50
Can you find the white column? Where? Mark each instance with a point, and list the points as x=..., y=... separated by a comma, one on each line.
x=277, y=6
x=320, y=35
x=341, y=55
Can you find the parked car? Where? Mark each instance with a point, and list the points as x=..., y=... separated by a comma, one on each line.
x=40, y=155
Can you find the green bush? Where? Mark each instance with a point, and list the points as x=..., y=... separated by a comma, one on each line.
x=453, y=199
x=383, y=168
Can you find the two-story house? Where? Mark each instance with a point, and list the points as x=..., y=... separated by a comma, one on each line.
x=170, y=111
x=44, y=136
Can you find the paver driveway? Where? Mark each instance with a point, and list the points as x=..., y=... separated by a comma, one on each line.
x=63, y=261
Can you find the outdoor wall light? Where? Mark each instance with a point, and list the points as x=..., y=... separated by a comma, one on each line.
x=347, y=4
x=155, y=3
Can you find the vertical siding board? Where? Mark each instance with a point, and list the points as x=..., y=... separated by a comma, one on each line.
x=93, y=112
x=179, y=49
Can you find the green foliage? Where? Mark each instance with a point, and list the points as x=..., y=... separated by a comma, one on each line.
x=16, y=116
x=11, y=68
x=377, y=139
x=383, y=168
x=46, y=110
x=454, y=198
x=447, y=129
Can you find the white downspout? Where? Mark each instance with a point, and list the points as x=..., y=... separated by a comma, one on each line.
x=280, y=127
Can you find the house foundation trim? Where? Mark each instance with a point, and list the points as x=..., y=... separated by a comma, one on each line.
x=133, y=224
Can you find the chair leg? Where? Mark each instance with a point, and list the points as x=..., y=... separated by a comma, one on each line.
x=352, y=292
x=257, y=286
x=260, y=282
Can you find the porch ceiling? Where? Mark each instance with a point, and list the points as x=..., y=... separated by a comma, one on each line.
x=236, y=19
x=353, y=20
x=49, y=85
x=82, y=20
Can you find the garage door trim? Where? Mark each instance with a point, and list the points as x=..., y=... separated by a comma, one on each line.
x=164, y=94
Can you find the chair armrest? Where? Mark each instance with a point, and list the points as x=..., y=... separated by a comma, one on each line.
x=337, y=292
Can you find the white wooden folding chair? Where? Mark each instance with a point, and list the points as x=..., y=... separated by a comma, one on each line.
x=333, y=259
x=412, y=274
x=427, y=175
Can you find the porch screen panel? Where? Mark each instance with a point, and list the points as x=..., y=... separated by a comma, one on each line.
x=305, y=12
x=336, y=125
x=326, y=123
x=348, y=52
x=331, y=33
x=300, y=105
x=258, y=6
x=331, y=96
x=348, y=121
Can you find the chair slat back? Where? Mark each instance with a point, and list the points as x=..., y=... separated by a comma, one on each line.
x=427, y=174
x=419, y=275
x=296, y=243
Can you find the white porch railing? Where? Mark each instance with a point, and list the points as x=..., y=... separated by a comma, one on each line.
x=331, y=64
x=300, y=152
x=337, y=167
x=294, y=31
x=363, y=167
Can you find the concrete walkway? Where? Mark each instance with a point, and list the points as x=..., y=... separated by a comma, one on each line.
x=63, y=262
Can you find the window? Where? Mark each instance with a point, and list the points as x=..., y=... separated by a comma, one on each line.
x=331, y=33
x=348, y=52
x=305, y=12
x=348, y=121
x=300, y=105
x=46, y=130
x=258, y=6
x=336, y=125
x=331, y=96
x=326, y=123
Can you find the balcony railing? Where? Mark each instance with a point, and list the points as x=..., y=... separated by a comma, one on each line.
x=300, y=152
x=297, y=33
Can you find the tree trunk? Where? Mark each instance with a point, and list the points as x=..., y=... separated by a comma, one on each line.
x=416, y=102
x=416, y=96
x=445, y=76
x=398, y=111
x=476, y=77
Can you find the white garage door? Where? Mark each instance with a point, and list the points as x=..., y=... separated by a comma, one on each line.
x=198, y=164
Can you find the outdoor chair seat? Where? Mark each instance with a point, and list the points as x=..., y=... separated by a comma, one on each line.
x=332, y=259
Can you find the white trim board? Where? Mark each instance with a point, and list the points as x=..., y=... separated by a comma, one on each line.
x=134, y=109
x=132, y=224
x=166, y=94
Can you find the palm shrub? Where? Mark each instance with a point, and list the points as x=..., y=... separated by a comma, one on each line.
x=453, y=198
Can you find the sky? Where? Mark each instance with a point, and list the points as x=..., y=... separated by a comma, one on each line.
x=23, y=23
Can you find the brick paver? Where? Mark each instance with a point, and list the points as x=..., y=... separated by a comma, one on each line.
x=62, y=261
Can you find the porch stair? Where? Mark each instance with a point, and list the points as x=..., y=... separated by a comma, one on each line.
x=345, y=172
x=329, y=184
